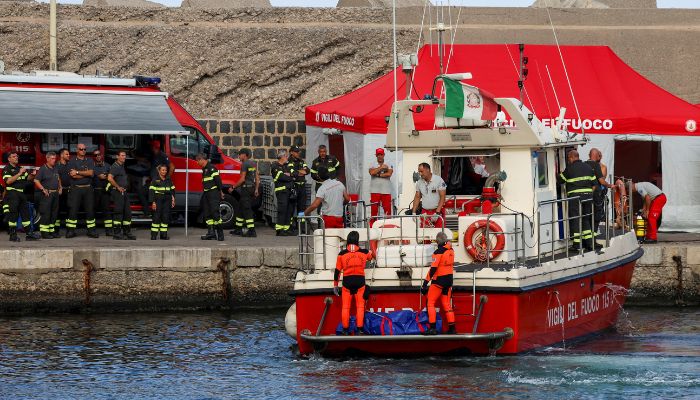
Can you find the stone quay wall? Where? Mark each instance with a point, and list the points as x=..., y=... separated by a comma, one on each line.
x=263, y=137
x=186, y=278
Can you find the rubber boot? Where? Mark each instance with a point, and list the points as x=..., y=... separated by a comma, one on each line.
x=250, y=233
x=220, y=233
x=451, y=330
x=13, y=235
x=164, y=236
x=237, y=232
x=31, y=236
x=127, y=233
x=154, y=235
x=108, y=231
x=345, y=332
x=360, y=331
x=91, y=233
x=70, y=233
x=47, y=235
x=210, y=234
x=432, y=331
x=117, y=233
x=56, y=234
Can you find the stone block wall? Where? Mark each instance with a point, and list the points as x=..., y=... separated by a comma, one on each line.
x=263, y=137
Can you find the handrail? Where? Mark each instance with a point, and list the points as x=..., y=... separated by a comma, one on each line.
x=307, y=249
x=514, y=232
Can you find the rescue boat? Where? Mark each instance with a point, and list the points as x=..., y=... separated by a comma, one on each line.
x=517, y=284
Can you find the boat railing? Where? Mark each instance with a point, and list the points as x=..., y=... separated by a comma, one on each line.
x=307, y=250
x=517, y=234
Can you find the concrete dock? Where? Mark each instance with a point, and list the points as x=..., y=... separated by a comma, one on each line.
x=96, y=275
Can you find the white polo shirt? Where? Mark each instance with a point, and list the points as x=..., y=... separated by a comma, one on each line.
x=430, y=191
x=331, y=191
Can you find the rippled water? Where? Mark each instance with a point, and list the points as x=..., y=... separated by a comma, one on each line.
x=655, y=353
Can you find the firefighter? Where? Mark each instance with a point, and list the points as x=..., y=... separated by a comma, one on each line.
x=117, y=185
x=430, y=192
x=161, y=196
x=282, y=177
x=16, y=178
x=580, y=180
x=212, y=196
x=81, y=170
x=330, y=162
x=351, y=264
x=248, y=188
x=440, y=279
x=64, y=174
x=99, y=183
x=380, y=185
x=330, y=197
x=48, y=184
x=299, y=171
x=600, y=189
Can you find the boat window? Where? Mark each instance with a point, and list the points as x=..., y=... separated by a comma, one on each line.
x=57, y=141
x=542, y=173
x=198, y=143
x=465, y=173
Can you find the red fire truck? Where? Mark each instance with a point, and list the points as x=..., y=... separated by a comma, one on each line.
x=48, y=110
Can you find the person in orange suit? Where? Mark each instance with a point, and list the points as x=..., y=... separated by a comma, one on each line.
x=440, y=279
x=351, y=264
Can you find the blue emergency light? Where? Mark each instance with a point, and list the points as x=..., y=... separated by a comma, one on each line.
x=147, y=80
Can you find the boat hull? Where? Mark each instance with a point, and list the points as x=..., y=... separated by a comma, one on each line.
x=538, y=317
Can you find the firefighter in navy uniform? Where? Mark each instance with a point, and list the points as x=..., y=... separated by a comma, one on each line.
x=99, y=183
x=440, y=277
x=161, y=197
x=16, y=178
x=212, y=196
x=81, y=170
x=299, y=170
x=64, y=174
x=248, y=188
x=48, y=186
x=580, y=180
x=326, y=160
x=282, y=177
x=351, y=264
x=118, y=182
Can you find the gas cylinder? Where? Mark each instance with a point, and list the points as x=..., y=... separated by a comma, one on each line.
x=489, y=198
x=640, y=227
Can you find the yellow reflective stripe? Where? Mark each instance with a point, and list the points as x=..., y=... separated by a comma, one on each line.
x=581, y=178
x=11, y=188
x=215, y=174
x=585, y=190
x=6, y=176
x=207, y=179
x=278, y=175
x=277, y=189
x=332, y=169
x=313, y=171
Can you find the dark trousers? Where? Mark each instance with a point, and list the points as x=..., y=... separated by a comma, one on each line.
x=161, y=215
x=17, y=205
x=102, y=198
x=284, y=211
x=81, y=196
x=582, y=235
x=62, y=207
x=300, y=203
x=212, y=210
x=598, y=208
x=244, y=211
x=48, y=208
x=122, y=209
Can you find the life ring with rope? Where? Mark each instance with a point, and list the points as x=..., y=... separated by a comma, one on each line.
x=477, y=249
x=374, y=243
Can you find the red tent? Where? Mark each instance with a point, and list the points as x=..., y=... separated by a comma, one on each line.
x=611, y=97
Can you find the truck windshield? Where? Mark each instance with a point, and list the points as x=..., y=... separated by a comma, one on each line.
x=198, y=143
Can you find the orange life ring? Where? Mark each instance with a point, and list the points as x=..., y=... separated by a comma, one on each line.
x=478, y=250
x=373, y=243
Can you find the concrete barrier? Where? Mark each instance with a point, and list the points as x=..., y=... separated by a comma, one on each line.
x=181, y=278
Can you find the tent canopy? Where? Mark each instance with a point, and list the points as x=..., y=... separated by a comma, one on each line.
x=610, y=96
x=39, y=110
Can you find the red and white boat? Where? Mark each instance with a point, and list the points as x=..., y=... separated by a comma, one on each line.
x=517, y=286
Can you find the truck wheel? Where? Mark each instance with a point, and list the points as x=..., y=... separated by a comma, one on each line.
x=227, y=207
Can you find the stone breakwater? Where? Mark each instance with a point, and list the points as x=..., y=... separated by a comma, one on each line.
x=186, y=278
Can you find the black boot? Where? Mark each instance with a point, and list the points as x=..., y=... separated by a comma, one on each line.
x=451, y=330
x=154, y=235
x=117, y=233
x=31, y=236
x=47, y=235
x=92, y=233
x=210, y=234
x=432, y=331
x=108, y=231
x=220, y=233
x=56, y=234
x=13, y=234
x=237, y=232
x=250, y=233
x=70, y=233
x=164, y=235
x=127, y=233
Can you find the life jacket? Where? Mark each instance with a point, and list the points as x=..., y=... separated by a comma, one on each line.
x=443, y=261
x=352, y=260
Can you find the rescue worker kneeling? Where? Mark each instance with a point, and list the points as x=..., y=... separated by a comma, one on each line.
x=351, y=263
x=440, y=274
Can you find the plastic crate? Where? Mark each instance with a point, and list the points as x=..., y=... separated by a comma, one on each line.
x=269, y=201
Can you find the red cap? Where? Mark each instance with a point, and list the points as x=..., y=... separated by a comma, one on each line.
x=155, y=145
x=379, y=151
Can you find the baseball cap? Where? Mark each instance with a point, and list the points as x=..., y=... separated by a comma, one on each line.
x=155, y=145
x=379, y=151
x=294, y=148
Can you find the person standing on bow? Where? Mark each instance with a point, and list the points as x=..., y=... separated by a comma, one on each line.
x=380, y=185
x=440, y=278
x=430, y=192
x=351, y=264
x=580, y=180
x=161, y=196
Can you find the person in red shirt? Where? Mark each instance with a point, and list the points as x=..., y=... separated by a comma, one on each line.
x=440, y=279
x=351, y=264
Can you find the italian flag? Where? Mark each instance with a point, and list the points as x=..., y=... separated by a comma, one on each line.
x=468, y=102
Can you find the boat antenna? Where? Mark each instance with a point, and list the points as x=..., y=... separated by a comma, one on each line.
x=522, y=73
x=395, y=115
x=566, y=72
x=524, y=89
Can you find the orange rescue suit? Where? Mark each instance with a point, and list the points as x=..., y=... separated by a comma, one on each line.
x=441, y=272
x=351, y=263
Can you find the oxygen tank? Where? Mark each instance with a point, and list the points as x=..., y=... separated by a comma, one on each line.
x=640, y=227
